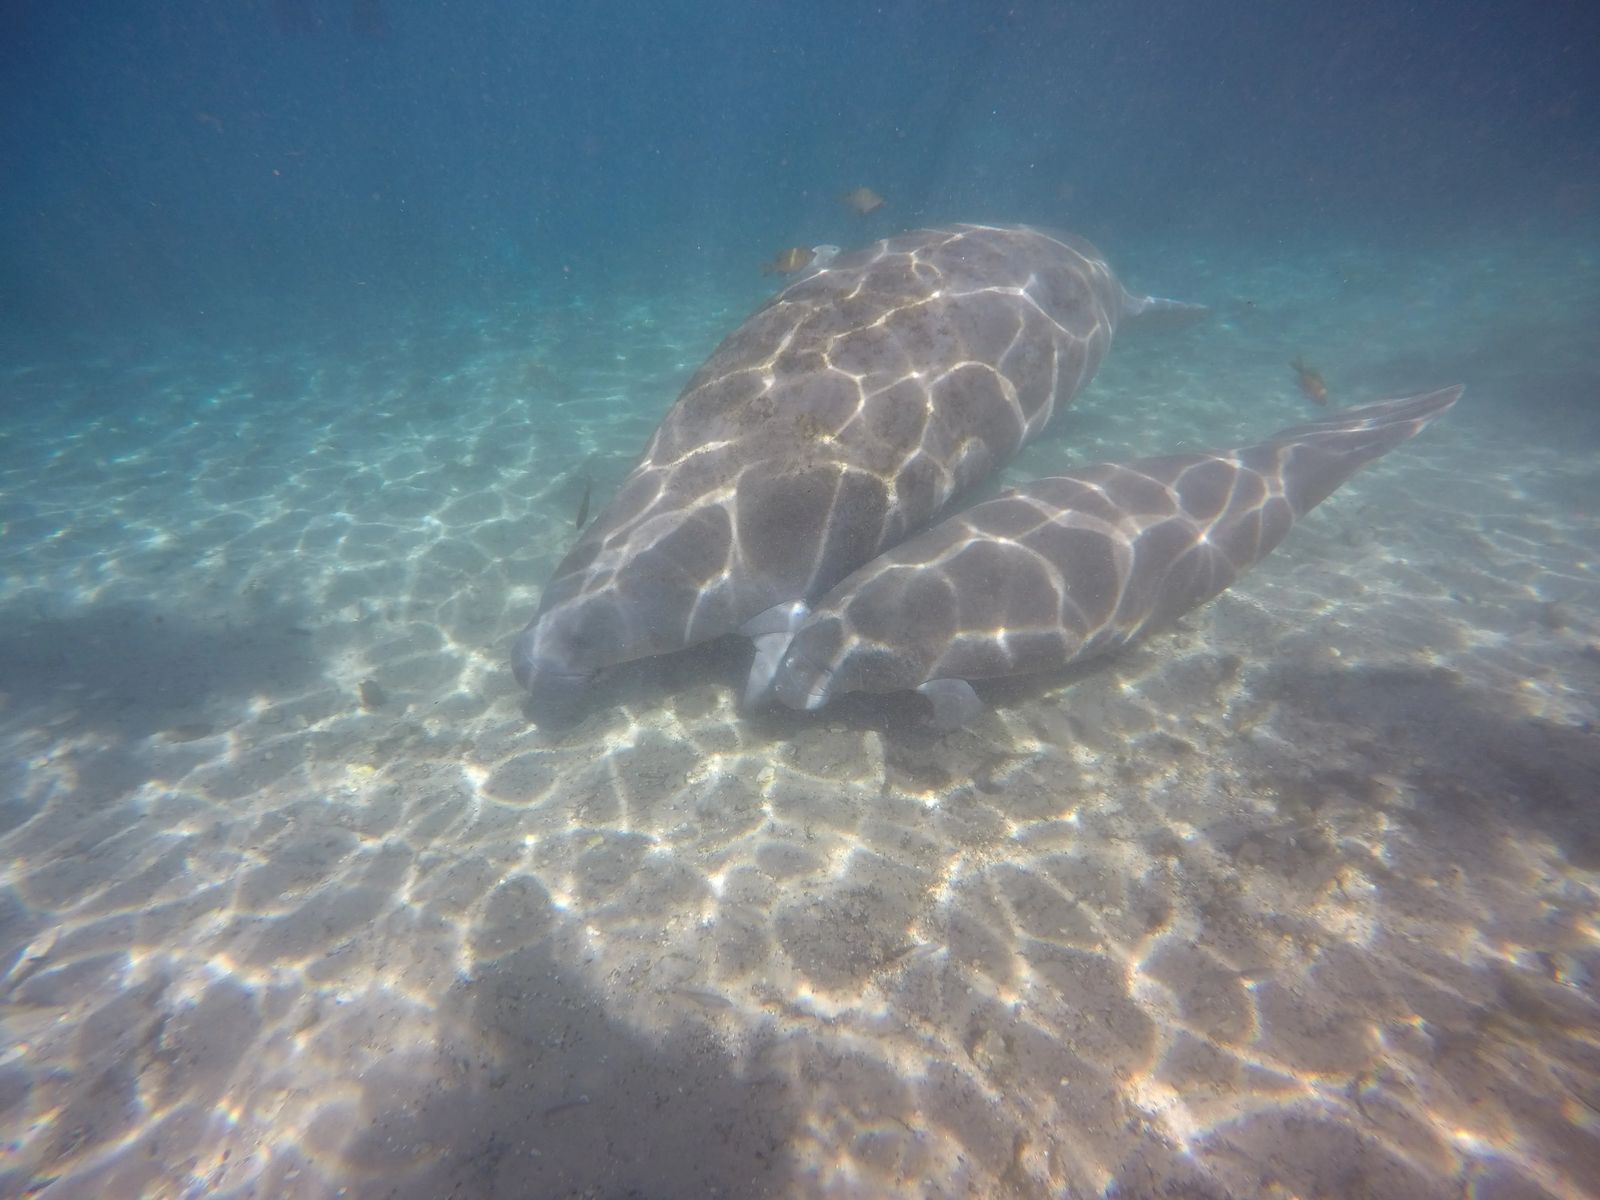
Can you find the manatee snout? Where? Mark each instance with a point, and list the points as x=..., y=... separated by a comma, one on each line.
x=555, y=686
x=524, y=662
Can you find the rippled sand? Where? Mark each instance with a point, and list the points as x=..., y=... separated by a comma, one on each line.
x=1299, y=899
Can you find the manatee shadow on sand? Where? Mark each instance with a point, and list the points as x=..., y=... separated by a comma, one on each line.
x=131, y=670
x=1523, y=771
x=122, y=674
x=552, y=1095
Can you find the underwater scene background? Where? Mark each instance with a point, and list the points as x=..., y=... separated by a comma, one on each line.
x=319, y=319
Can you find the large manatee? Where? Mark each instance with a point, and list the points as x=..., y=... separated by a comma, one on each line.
x=1067, y=568
x=836, y=421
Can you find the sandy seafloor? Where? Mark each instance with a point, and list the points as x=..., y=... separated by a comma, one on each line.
x=1301, y=899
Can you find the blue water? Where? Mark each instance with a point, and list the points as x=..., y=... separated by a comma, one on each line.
x=360, y=159
x=317, y=315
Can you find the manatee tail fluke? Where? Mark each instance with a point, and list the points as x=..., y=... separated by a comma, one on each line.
x=1156, y=312
x=1320, y=455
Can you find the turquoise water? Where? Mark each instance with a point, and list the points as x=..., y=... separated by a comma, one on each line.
x=324, y=314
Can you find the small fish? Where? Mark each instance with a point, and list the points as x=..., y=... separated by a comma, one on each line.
x=705, y=999
x=372, y=694
x=1310, y=381
x=33, y=957
x=565, y=1106
x=191, y=732
x=863, y=199
x=583, y=504
x=795, y=258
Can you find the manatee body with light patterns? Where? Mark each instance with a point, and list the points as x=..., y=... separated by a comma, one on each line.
x=1074, y=566
x=832, y=424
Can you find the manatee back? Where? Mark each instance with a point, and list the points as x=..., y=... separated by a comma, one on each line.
x=836, y=420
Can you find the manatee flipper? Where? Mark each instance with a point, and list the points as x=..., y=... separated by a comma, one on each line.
x=771, y=632
x=954, y=703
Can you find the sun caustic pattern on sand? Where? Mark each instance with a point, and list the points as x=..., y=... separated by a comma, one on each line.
x=1298, y=898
